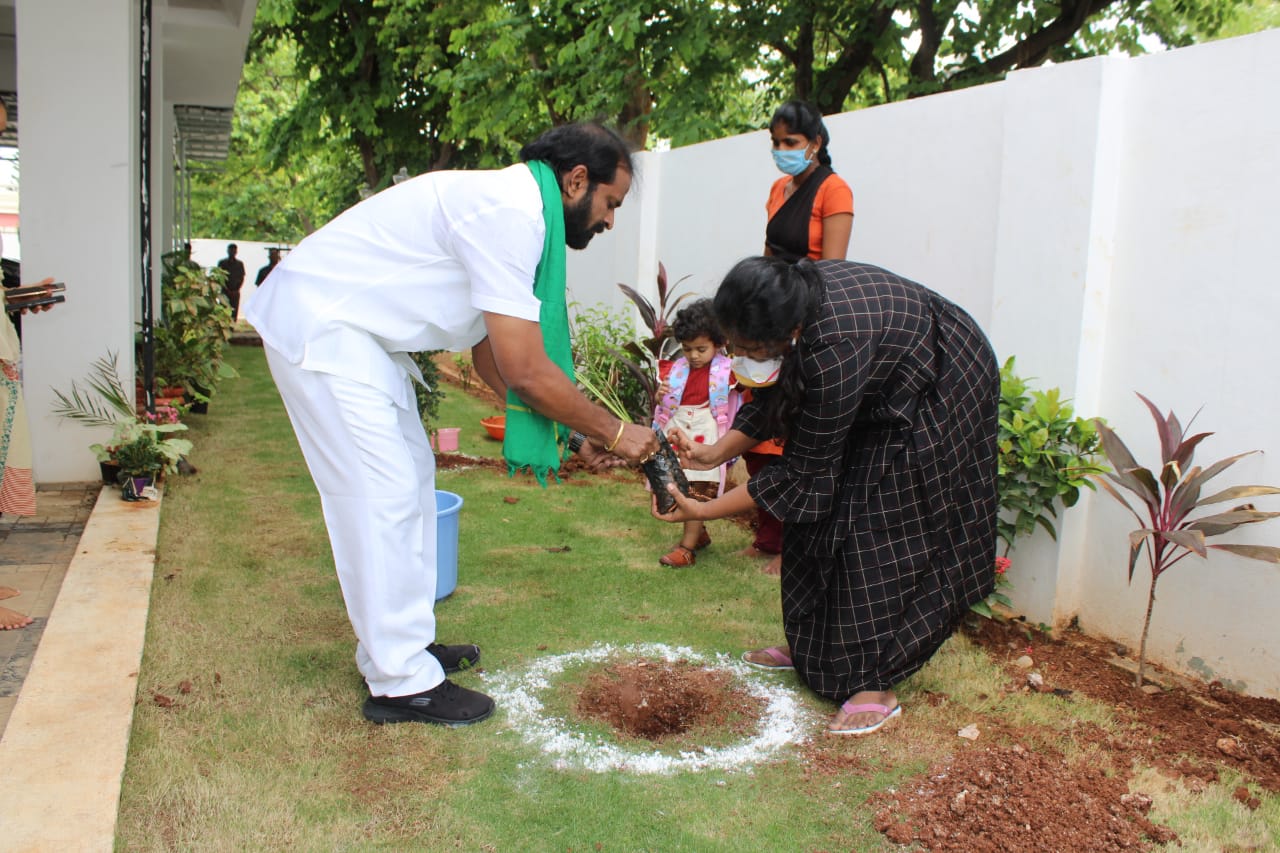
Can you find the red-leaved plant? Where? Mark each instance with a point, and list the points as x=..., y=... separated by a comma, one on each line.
x=1168, y=533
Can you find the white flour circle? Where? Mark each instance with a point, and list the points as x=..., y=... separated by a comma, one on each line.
x=782, y=722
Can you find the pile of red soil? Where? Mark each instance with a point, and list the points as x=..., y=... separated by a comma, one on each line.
x=1188, y=730
x=996, y=799
x=658, y=700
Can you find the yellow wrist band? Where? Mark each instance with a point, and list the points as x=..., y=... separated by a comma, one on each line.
x=621, y=426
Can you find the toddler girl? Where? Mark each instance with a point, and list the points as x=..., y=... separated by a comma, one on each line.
x=699, y=399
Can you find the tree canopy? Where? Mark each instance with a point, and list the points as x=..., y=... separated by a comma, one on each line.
x=342, y=91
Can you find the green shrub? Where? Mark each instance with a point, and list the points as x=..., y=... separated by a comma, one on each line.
x=1045, y=456
x=428, y=398
x=604, y=369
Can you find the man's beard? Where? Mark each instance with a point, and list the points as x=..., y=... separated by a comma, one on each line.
x=578, y=229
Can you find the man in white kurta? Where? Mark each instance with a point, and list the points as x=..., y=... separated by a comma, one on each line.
x=444, y=261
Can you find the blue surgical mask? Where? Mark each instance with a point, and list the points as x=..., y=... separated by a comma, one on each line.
x=756, y=374
x=791, y=162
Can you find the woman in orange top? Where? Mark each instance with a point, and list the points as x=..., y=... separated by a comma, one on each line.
x=810, y=215
x=810, y=207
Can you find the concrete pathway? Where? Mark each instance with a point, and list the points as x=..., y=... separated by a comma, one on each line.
x=84, y=566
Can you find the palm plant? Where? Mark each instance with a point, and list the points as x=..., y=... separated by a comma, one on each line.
x=105, y=402
x=1168, y=533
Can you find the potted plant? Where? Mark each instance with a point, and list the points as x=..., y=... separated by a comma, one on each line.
x=141, y=461
x=191, y=339
x=105, y=403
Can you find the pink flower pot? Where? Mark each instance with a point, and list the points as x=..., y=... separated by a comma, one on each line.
x=447, y=439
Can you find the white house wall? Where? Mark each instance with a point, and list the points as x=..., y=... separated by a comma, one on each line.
x=1111, y=223
x=79, y=208
x=1192, y=325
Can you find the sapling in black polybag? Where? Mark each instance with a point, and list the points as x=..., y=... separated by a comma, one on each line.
x=662, y=470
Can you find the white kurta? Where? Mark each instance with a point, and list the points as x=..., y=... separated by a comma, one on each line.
x=413, y=268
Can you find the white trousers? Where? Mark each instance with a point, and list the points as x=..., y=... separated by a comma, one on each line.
x=376, y=474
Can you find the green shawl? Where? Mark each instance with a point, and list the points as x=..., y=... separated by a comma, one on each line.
x=532, y=441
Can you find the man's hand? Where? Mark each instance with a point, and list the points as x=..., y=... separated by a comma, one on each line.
x=596, y=459
x=636, y=443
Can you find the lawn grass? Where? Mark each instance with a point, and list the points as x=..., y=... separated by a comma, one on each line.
x=248, y=733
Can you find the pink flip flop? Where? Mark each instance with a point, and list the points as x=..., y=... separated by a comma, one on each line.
x=779, y=658
x=872, y=707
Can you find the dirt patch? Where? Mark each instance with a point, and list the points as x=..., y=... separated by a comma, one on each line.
x=660, y=700
x=996, y=799
x=1187, y=730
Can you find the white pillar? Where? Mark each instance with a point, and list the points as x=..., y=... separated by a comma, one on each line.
x=1057, y=213
x=78, y=87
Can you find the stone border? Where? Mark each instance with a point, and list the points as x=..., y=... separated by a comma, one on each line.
x=63, y=751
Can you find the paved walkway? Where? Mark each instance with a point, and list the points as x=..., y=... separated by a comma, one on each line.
x=83, y=566
x=34, y=555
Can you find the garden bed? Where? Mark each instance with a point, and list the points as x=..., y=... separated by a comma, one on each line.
x=1010, y=791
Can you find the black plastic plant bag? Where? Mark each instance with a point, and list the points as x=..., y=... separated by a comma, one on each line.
x=662, y=470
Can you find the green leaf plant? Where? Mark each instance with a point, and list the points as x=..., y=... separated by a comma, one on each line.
x=105, y=402
x=1046, y=455
x=609, y=366
x=1168, y=533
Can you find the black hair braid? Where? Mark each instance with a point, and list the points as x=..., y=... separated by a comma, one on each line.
x=785, y=400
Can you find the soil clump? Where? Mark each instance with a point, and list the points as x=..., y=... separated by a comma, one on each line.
x=996, y=799
x=661, y=700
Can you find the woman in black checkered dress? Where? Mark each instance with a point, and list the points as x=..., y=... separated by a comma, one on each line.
x=887, y=394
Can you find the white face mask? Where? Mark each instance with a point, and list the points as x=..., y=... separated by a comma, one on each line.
x=756, y=374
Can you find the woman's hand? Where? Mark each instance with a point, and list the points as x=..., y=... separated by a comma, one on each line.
x=686, y=509
x=693, y=455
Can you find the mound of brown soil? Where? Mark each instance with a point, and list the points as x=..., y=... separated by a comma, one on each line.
x=658, y=700
x=1188, y=729
x=996, y=799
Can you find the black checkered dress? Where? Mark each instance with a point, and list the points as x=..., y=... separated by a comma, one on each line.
x=887, y=484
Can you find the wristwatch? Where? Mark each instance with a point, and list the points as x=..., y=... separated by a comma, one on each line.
x=575, y=441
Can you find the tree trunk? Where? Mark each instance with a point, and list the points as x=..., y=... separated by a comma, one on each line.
x=1146, y=626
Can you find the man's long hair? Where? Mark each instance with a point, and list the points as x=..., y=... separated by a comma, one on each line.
x=590, y=144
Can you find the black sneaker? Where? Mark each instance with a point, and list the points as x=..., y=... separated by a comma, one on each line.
x=455, y=658
x=446, y=704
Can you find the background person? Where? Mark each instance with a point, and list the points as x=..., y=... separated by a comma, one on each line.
x=442, y=261
x=17, y=485
x=273, y=258
x=887, y=394
x=699, y=399
x=810, y=215
x=234, y=268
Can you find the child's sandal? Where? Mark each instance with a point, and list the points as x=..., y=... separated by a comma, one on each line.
x=678, y=557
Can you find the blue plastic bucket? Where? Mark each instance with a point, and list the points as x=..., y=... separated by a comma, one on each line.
x=447, y=506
